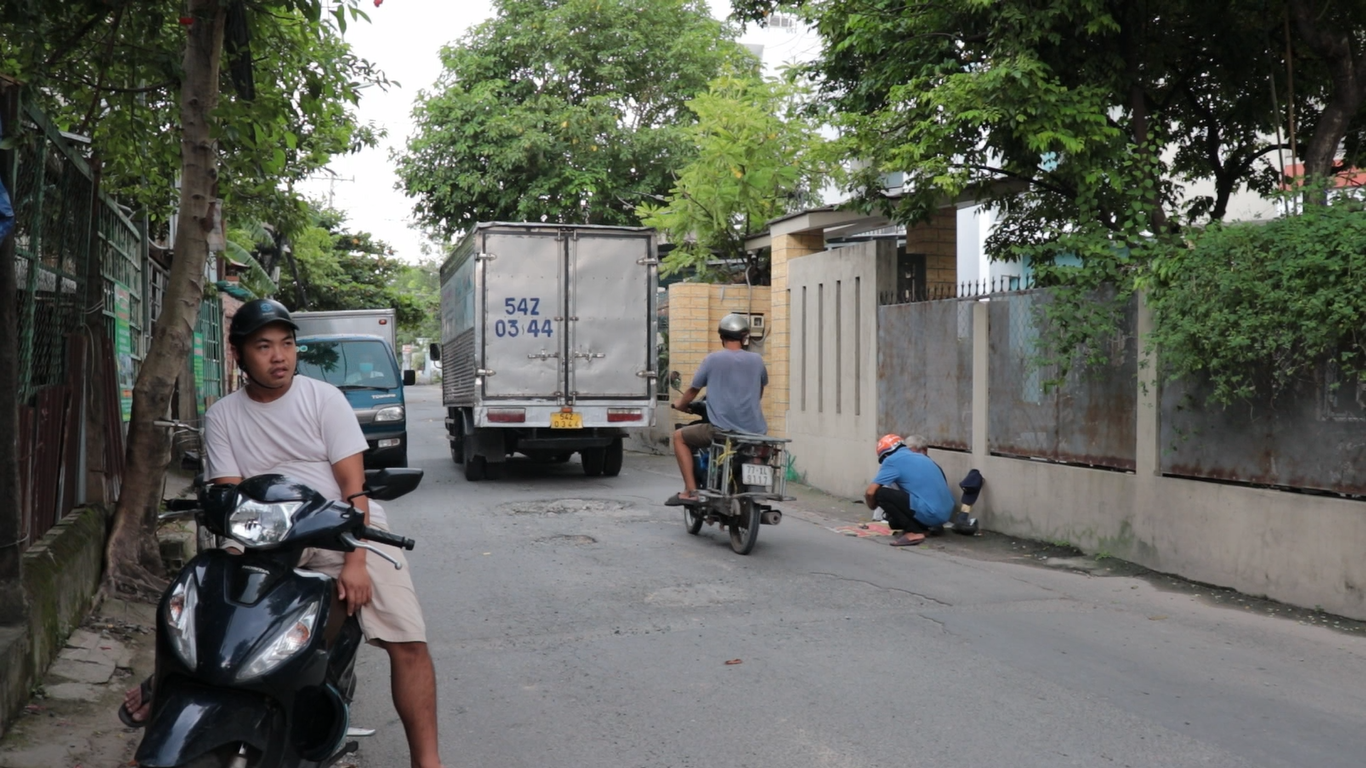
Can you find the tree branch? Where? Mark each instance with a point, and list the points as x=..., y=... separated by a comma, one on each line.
x=104, y=70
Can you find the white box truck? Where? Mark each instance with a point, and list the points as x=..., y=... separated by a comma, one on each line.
x=548, y=343
x=355, y=350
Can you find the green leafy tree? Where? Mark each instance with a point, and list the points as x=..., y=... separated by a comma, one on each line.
x=144, y=78
x=565, y=111
x=344, y=269
x=421, y=282
x=112, y=70
x=1251, y=309
x=756, y=157
x=1082, y=122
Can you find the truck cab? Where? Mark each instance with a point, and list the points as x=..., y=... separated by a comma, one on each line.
x=365, y=369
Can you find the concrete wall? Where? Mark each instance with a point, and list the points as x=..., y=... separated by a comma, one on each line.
x=832, y=418
x=786, y=248
x=61, y=576
x=1296, y=548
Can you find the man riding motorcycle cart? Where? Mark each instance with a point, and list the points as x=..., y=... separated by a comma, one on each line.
x=735, y=379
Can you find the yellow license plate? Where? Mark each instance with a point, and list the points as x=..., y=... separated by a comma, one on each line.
x=566, y=421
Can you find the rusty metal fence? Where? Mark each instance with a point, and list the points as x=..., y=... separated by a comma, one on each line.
x=925, y=371
x=1311, y=438
x=1087, y=418
x=65, y=232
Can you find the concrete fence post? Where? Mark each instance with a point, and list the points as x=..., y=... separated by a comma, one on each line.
x=1147, y=421
x=981, y=338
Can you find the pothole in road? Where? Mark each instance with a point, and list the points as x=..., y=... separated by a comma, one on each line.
x=555, y=507
x=566, y=538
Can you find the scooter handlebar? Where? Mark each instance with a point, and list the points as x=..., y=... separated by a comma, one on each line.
x=384, y=537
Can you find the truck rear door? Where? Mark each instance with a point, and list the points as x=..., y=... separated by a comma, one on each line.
x=523, y=284
x=611, y=280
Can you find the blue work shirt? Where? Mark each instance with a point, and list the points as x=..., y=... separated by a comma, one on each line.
x=923, y=480
x=735, y=381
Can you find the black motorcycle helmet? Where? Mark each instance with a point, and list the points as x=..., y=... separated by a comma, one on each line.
x=255, y=315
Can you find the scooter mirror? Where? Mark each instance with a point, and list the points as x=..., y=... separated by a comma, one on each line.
x=389, y=484
x=676, y=380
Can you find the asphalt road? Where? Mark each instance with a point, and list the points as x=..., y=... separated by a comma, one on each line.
x=574, y=622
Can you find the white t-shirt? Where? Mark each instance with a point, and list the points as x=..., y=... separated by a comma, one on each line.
x=301, y=435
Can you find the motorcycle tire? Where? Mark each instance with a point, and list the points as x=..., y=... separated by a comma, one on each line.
x=692, y=519
x=744, y=527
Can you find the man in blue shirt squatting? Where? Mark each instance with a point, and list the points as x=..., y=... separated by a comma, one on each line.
x=910, y=488
x=735, y=379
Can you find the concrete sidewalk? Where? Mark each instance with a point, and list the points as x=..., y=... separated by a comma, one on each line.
x=72, y=720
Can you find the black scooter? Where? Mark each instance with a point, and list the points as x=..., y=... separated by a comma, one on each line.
x=256, y=657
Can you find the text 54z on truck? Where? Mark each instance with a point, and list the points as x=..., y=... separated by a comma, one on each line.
x=549, y=343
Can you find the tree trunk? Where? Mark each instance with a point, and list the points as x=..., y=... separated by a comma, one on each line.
x=133, y=556
x=13, y=605
x=1333, y=43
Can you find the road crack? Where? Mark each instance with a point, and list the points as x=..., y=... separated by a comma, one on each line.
x=879, y=586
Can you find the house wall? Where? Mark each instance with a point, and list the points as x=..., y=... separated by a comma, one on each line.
x=832, y=417
x=938, y=240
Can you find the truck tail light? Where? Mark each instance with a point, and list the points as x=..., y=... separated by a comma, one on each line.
x=507, y=415
x=616, y=415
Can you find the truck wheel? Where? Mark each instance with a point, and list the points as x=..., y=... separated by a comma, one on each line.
x=457, y=439
x=615, y=453
x=476, y=468
x=593, y=459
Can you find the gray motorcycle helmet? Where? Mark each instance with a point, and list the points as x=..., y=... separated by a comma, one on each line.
x=733, y=327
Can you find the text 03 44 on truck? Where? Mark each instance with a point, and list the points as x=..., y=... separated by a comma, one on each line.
x=548, y=343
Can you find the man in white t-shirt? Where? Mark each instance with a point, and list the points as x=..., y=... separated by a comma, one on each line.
x=304, y=428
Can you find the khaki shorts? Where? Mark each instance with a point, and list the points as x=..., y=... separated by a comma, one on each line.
x=393, y=615
x=697, y=436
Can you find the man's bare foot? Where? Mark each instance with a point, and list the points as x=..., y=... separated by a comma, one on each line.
x=137, y=705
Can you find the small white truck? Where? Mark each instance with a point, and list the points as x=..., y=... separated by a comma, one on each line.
x=548, y=343
x=355, y=350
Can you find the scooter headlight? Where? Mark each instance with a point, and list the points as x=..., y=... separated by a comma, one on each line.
x=293, y=638
x=180, y=610
x=260, y=525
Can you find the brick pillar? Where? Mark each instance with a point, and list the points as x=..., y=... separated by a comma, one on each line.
x=777, y=343
x=938, y=240
x=689, y=327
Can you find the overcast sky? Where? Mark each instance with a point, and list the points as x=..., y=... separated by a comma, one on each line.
x=404, y=39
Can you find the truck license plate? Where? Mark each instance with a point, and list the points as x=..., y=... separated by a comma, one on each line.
x=566, y=421
x=756, y=474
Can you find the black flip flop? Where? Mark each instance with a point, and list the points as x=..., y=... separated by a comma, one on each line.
x=906, y=541
x=677, y=500
x=126, y=717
